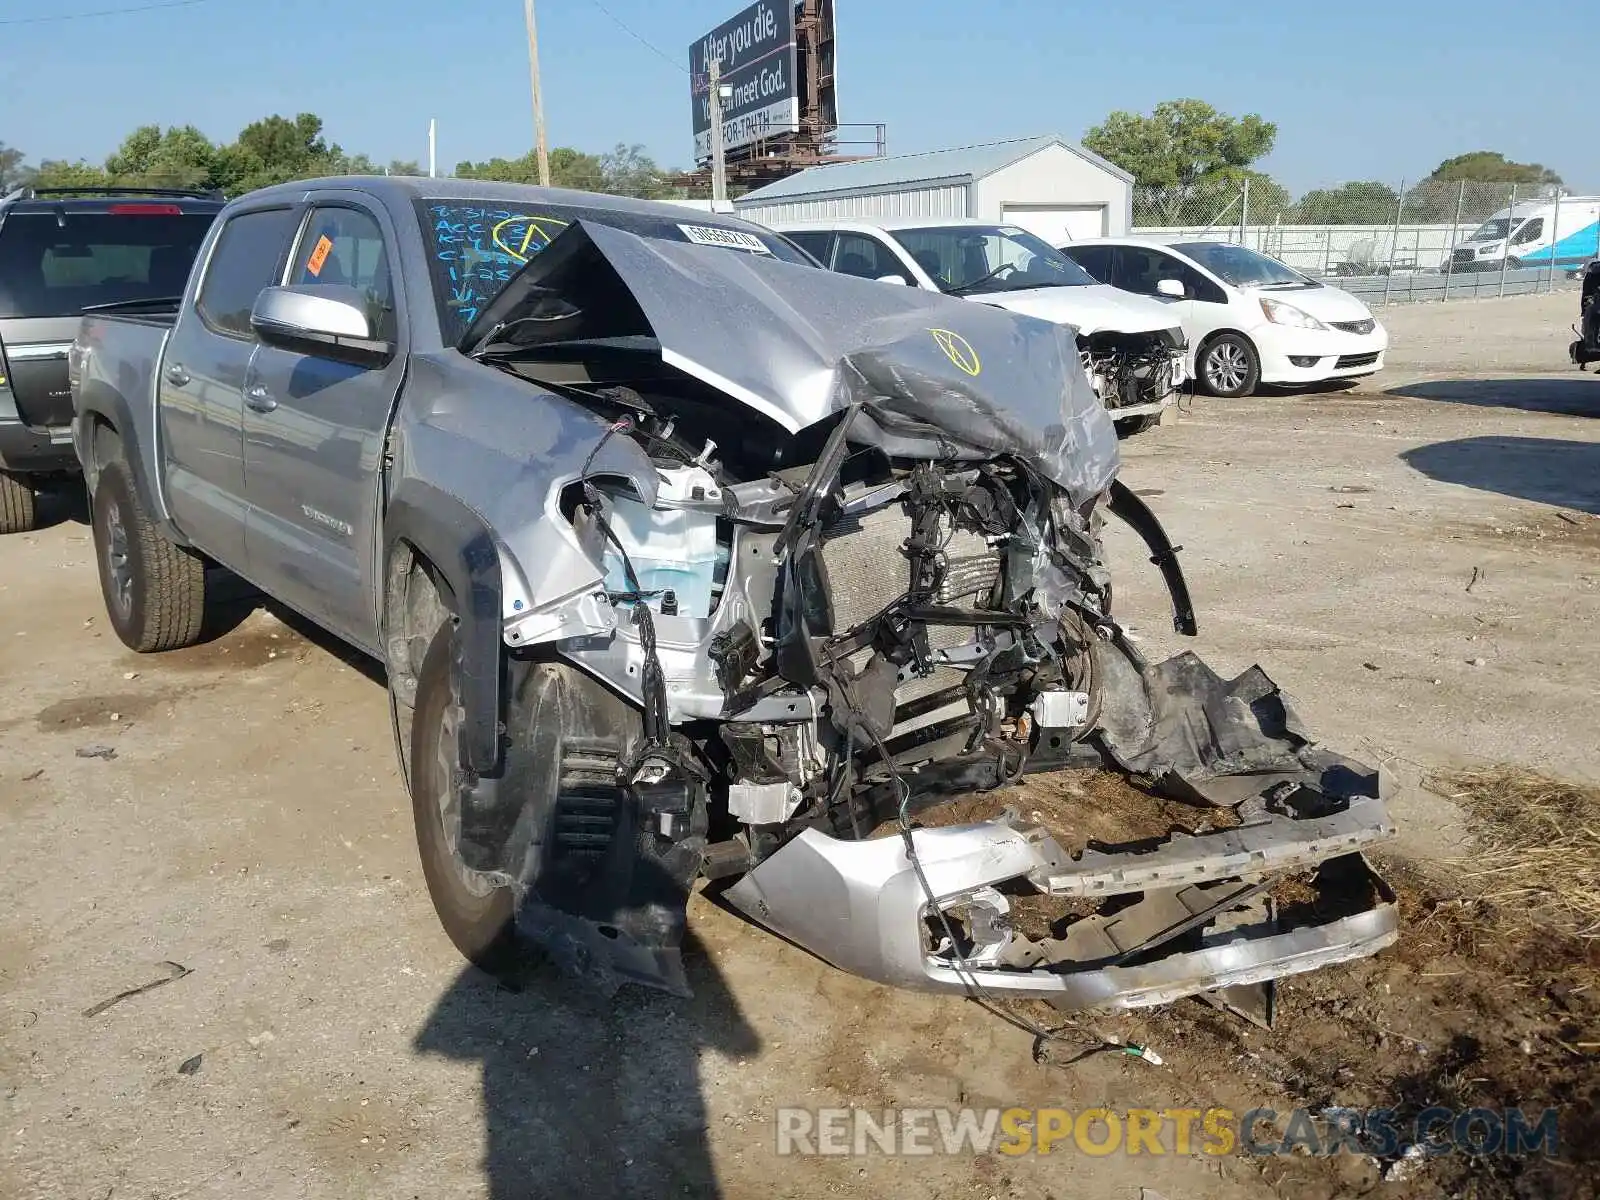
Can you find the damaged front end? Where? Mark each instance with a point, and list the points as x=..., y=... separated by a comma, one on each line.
x=847, y=570
x=1136, y=375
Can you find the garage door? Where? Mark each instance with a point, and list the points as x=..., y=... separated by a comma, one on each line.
x=1058, y=223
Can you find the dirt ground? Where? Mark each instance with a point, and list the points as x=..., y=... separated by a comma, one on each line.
x=1417, y=561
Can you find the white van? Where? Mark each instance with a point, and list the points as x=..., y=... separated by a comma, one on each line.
x=1565, y=231
x=1132, y=347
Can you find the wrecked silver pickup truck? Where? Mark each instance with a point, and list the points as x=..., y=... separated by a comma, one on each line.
x=688, y=560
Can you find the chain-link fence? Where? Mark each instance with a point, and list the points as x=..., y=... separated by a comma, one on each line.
x=1434, y=240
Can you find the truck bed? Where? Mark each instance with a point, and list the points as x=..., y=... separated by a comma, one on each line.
x=116, y=357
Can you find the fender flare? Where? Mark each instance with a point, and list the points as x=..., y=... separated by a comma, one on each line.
x=100, y=402
x=457, y=542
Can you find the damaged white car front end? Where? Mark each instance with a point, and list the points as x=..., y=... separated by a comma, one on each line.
x=827, y=557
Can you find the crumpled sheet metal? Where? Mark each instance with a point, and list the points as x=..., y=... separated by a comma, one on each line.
x=937, y=376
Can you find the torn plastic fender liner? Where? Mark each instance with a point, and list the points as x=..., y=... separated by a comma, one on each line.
x=1125, y=503
x=1203, y=738
x=456, y=542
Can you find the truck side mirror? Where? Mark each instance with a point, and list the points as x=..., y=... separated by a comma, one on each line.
x=1172, y=288
x=900, y=279
x=327, y=321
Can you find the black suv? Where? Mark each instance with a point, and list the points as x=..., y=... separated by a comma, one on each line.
x=65, y=252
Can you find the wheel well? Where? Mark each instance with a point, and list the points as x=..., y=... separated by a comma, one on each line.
x=416, y=601
x=105, y=444
x=1216, y=333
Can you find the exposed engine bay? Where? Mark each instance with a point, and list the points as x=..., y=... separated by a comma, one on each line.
x=1133, y=370
x=844, y=565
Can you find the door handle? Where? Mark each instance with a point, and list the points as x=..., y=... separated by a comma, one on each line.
x=259, y=399
x=177, y=376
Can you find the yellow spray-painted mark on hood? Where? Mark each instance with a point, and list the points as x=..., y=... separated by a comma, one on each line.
x=958, y=350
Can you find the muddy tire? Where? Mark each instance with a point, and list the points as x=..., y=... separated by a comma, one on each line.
x=1228, y=366
x=478, y=917
x=155, y=592
x=18, y=511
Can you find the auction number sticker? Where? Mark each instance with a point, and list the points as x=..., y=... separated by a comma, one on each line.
x=733, y=239
x=319, y=256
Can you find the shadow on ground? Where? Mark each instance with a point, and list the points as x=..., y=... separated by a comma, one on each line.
x=1320, y=387
x=1548, y=470
x=1572, y=396
x=59, y=501
x=588, y=1097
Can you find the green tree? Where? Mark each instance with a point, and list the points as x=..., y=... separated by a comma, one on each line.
x=629, y=171
x=180, y=157
x=57, y=173
x=1363, y=202
x=1490, y=166
x=1181, y=143
x=12, y=173
x=276, y=150
x=569, y=168
x=1270, y=201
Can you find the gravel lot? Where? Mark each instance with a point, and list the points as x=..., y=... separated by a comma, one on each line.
x=1416, y=560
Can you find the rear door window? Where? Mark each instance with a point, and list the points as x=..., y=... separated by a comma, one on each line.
x=865, y=257
x=56, y=264
x=248, y=257
x=813, y=241
x=1094, y=259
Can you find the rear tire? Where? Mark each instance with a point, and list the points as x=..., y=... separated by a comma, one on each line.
x=18, y=511
x=155, y=592
x=1227, y=366
x=479, y=918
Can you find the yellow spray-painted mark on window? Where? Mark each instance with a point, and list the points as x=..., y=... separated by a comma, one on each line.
x=506, y=237
x=958, y=350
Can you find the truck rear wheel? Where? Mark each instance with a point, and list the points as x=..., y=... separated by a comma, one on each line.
x=477, y=914
x=18, y=513
x=155, y=592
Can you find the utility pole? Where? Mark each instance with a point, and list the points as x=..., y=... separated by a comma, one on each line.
x=433, y=148
x=719, y=159
x=538, y=96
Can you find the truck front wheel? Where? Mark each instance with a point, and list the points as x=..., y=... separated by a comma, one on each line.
x=17, y=512
x=475, y=909
x=155, y=592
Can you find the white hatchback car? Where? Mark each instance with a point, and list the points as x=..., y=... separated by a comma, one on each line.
x=1249, y=318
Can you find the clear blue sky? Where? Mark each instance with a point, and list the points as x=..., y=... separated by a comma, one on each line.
x=1359, y=89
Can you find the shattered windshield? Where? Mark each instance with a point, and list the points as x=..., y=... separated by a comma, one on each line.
x=1243, y=267
x=474, y=248
x=966, y=260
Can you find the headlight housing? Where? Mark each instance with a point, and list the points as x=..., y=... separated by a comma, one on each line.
x=1280, y=313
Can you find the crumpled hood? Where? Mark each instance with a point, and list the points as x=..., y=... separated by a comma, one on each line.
x=933, y=374
x=1088, y=309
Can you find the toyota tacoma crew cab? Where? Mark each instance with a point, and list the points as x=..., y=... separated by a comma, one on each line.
x=688, y=561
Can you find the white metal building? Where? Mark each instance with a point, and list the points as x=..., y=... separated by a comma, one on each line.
x=1047, y=185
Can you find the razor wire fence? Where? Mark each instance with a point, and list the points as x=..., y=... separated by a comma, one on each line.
x=1433, y=240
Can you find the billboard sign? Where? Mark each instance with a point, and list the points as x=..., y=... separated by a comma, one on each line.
x=756, y=50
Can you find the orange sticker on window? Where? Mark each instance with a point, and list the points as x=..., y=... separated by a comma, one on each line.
x=319, y=255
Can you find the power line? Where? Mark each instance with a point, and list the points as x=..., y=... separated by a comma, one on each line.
x=103, y=12
x=645, y=42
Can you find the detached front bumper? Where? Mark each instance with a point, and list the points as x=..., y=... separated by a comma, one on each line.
x=1188, y=929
